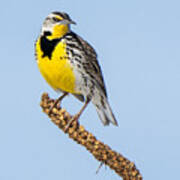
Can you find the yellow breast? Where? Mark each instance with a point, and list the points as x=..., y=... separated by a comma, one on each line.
x=57, y=70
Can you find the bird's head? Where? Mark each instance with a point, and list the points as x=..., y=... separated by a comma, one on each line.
x=56, y=25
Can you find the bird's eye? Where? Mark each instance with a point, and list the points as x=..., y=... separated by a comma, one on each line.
x=56, y=19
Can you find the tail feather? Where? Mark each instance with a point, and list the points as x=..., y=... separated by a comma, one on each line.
x=105, y=114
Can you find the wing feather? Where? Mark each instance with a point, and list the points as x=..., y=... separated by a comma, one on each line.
x=91, y=64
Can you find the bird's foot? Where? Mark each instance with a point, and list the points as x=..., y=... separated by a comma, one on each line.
x=74, y=118
x=51, y=108
x=56, y=103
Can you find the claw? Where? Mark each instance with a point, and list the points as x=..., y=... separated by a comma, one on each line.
x=74, y=118
x=56, y=102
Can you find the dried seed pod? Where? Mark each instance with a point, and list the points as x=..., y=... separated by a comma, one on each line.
x=102, y=152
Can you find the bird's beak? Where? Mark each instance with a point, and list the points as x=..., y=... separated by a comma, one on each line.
x=66, y=21
x=72, y=22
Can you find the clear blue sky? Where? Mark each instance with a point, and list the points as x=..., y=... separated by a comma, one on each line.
x=138, y=44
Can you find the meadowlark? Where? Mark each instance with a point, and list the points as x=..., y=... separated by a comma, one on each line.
x=69, y=64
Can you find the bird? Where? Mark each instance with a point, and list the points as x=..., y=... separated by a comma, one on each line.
x=70, y=65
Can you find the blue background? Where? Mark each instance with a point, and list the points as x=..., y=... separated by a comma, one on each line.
x=138, y=46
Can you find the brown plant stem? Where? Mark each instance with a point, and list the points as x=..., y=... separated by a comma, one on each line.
x=102, y=152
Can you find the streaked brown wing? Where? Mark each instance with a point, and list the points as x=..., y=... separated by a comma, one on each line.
x=91, y=65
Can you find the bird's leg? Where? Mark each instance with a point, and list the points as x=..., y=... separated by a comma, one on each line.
x=56, y=102
x=76, y=116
